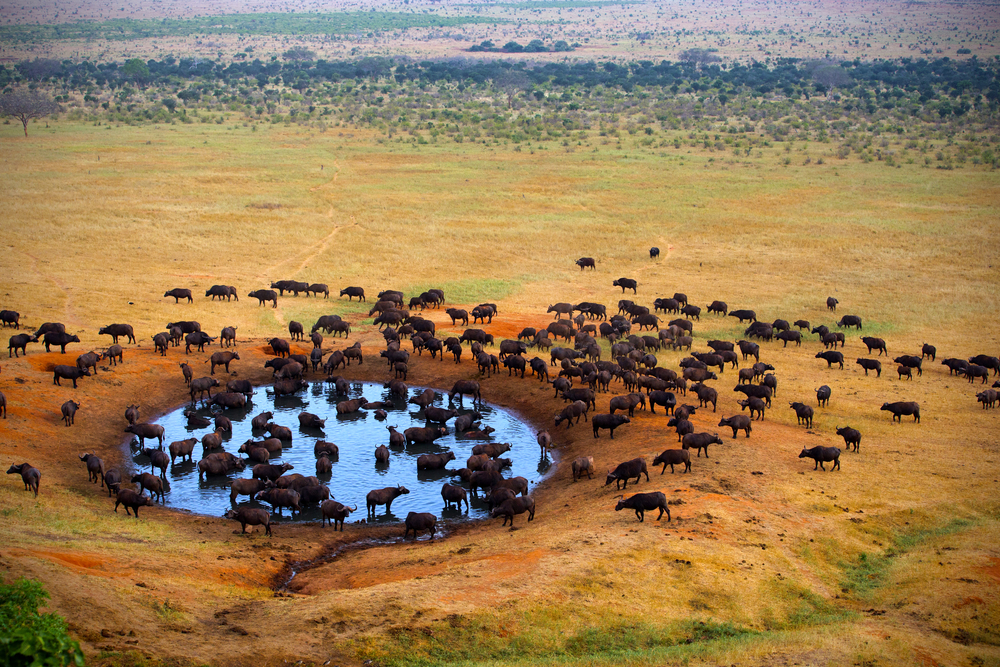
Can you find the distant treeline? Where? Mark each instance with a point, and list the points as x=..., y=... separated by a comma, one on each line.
x=335, y=23
x=887, y=79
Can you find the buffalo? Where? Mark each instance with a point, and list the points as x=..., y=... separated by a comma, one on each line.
x=831, y=357
x=263, y=296
x=626, y=471
x=901, y=408
x=60, y=339
x=851, y=436
x=385, y=497
x=672, y=457
x=737, y=423
x=701, y=441
x=821, y=455
x=68, y=373
x=514, y=506
x=251, y=516
x=179, y=293
x=132, y=499
x=871, y=365
x=116, y=331
x=417, y=521
x=645, y=502
x=608, y=421
x=30, y=475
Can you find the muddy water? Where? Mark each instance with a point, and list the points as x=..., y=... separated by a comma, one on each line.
x=355, y=471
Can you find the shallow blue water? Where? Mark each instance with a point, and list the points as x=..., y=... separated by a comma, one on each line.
x=355, y=472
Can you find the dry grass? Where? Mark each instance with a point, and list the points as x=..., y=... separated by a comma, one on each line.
x=784, y=566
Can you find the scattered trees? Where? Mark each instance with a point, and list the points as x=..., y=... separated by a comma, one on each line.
x=26, y=104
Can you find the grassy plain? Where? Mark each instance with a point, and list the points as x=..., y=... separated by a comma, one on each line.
x=891, y=560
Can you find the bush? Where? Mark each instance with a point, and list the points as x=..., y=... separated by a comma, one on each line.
x=30, y=639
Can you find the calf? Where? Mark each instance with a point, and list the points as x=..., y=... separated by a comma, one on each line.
x=911, y=361
x=114, y=354
x=672, y=457
x=112, y=481
x=821, y=455
x=737, y=423
x=905, y=370
x=851, y=436
x=645, y=502
x=583, y=465
x=758, y=391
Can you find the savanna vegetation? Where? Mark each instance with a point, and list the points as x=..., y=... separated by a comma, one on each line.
x=939, y=113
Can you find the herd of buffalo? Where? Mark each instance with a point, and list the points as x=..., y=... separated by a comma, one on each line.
x=634, y=334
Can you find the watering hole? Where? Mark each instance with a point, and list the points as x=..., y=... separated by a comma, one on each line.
x=355, y=471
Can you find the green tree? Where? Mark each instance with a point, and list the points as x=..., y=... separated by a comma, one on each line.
x=26, y=104
x=136, y=71
x=30, y=639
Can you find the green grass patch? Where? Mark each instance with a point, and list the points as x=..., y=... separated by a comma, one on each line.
x=235, y=24
x=547, y=637
x=870, y=571
x=474, y=290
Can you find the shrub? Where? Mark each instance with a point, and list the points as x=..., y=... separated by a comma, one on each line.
x=28, y=638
